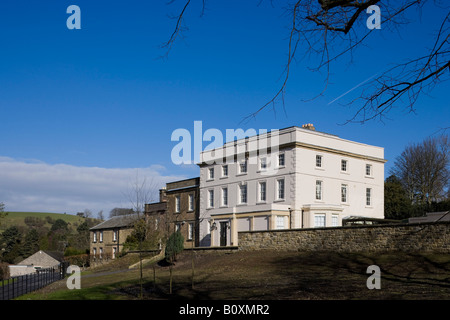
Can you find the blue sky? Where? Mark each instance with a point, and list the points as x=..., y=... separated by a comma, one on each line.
x=101, y=97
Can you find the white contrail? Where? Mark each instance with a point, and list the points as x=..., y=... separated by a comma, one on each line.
x=360, y=84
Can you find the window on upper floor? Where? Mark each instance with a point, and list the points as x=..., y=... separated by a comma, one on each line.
x=344, y=164
x=280, y=189
x=211, y=173
x=263, y=163
x=262, y=191
x=191, y=202
x=225, y=170
x=318, y=190
x=224, y=197
x=101, y=236
x=177, y=203
x=368, y=196
x=243, y=193
x=319, y=161
x=281, y=162
x=243, y=166
x=368, y=170
x=344, y=193
x=210, y=198
x=95, y=236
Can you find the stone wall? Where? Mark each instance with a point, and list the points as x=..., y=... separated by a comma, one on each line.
x=374, y=238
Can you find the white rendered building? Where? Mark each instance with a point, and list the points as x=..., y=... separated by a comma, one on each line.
x=287, y=179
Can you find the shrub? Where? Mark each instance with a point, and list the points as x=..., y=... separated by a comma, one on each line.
x=174, y=246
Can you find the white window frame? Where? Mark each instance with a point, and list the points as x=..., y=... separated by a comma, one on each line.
x=95, y=237
x=211, y=198
x=281, y=154
x=190, y=202
x=243, y=193
x=225, y=171
x=190, y=231
x=114, y=235
x=177, y=203
x=344, y=193
x=319, y=161
x=319, y=190
x=211, y=173
x=320, y=217
x=368, y=197
x=283, y=189
x=280, y=222
x=261, y=191
x=344, y=165
x=243, y=165
x=224, y=197
x=368, y=170
x=335, y=220
x=263, y=163
x=101, y=237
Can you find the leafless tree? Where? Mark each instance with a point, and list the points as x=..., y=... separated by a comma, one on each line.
x=424, y=171
x=333, y=29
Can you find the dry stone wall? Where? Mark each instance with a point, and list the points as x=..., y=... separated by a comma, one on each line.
x=422, y=237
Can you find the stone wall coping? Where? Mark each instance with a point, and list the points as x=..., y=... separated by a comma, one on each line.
x=390, y=225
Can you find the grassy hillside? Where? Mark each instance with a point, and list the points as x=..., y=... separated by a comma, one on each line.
x=18, y=218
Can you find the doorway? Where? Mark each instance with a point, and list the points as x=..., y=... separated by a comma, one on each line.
x=223, y=233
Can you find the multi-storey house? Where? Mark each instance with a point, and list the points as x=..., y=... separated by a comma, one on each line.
x=286, y=179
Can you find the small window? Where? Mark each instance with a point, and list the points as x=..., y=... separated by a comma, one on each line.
x=243, y=193
x=280, y=189
x=211, y=198
x=178, y=227
x=191, y=202
x=177, y=203
x=263, y=163
x=101, y=236
x=368, y=196
x=318, y=161
x=281, y=160
x=280, y=222
x=225, y=171
x=224, y=196
x=344, y=165
x=211, y=173
x=318, y=190
x=243, y=166
x=115, y=235
x=95, y=237
x=344, y=193
x=368, y=169
x=262, y=191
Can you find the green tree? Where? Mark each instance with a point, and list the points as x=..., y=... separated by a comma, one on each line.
x=59, y=225
x=11, y=242
x=174, y=246
x=3, y=214
x=31, y=243
x=397, y=205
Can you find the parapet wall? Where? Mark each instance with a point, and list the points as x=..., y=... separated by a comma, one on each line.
x=423, y=237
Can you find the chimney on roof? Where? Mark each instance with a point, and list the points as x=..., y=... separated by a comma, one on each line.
x=308, y=126
x=162, y=195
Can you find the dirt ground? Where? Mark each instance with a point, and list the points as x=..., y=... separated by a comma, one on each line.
x=276, y=275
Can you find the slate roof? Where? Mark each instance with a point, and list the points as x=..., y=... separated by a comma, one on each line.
x=117, y=222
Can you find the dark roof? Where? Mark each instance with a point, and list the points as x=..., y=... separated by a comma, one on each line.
x=117, y=222
x=59, y=256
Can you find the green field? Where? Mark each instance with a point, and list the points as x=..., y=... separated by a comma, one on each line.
x=18, y=218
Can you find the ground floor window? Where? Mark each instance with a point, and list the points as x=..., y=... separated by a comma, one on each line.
x=334, y=220
x=319, y=220
x=280, y=222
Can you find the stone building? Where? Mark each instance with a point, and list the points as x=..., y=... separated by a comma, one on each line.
x=108, y=237
x=183, y=209
x=39, y=260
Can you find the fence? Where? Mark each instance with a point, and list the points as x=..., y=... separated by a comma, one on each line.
x=17, y=286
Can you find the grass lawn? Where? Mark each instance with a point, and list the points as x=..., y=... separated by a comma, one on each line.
x=267, y=275
x=18, y=218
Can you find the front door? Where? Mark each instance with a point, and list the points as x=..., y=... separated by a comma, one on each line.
x=223, y=233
